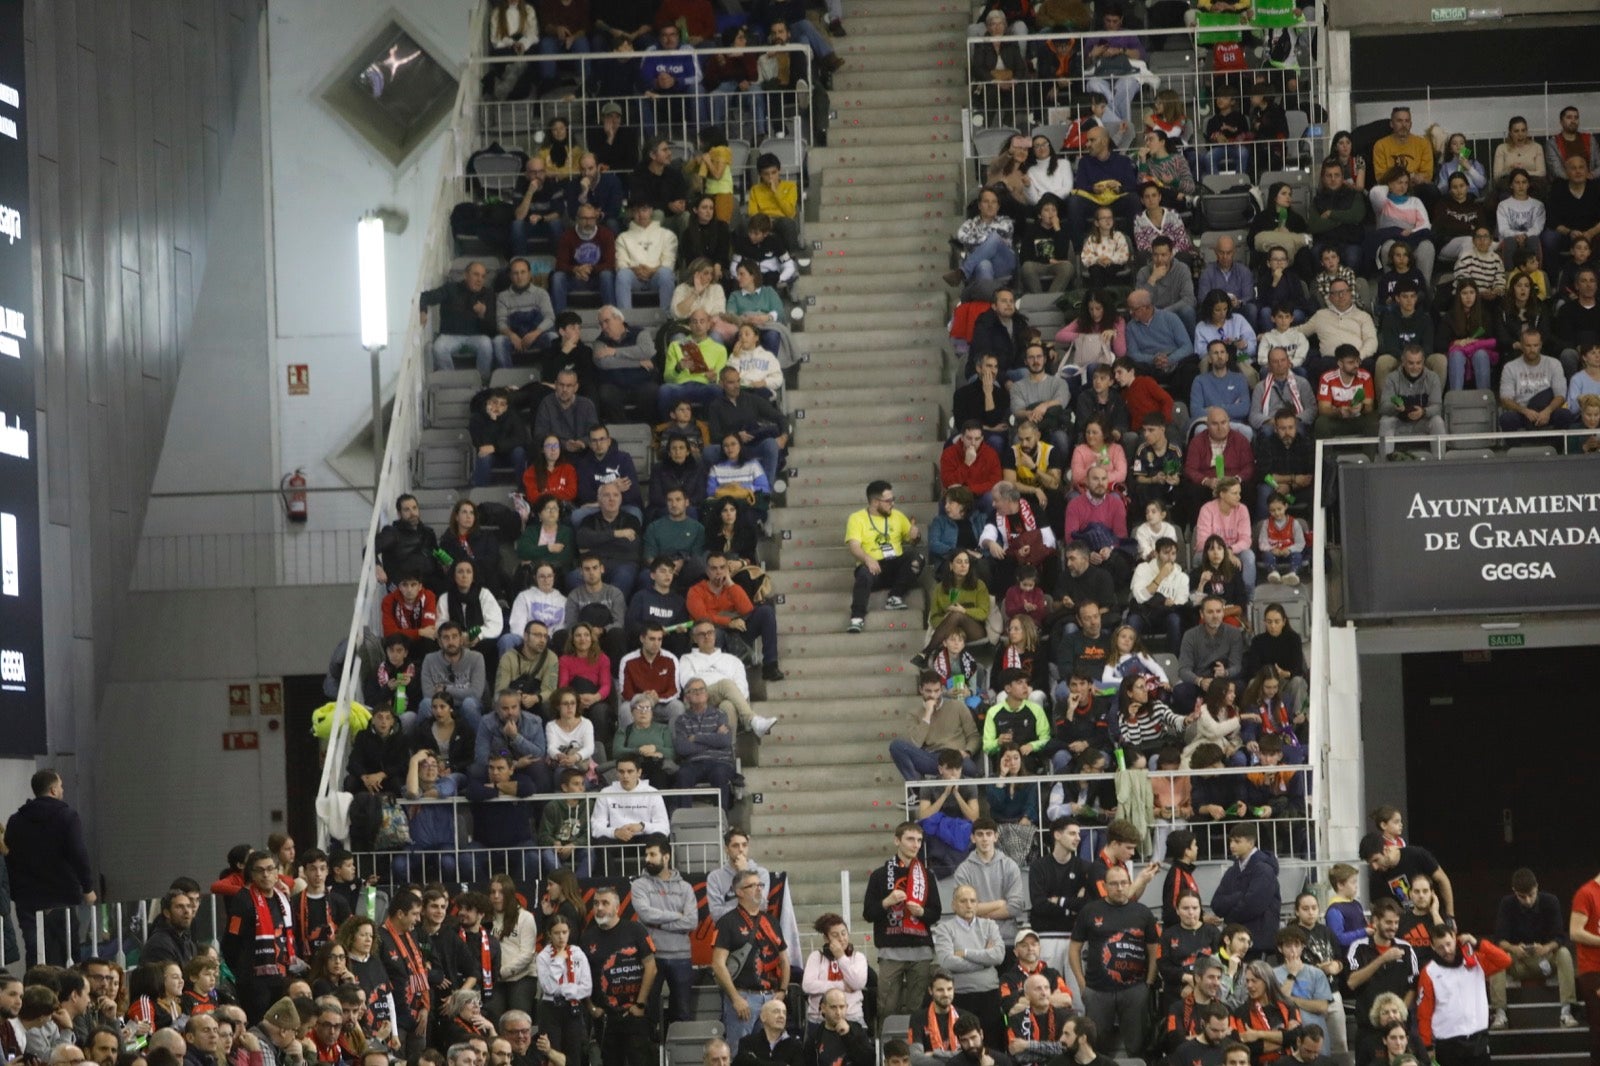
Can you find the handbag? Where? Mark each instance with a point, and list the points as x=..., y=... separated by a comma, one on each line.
x=394, y=829
x=1027, y=546
x=1117, y=66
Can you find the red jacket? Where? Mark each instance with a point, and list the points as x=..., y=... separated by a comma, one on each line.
x=1144, y=396
x=980, y=477
x=406, y=620
x=1237, y=458
x=562, y=482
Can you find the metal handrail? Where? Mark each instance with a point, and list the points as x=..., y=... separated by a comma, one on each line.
x=395, y=475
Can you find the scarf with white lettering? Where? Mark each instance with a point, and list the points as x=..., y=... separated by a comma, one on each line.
x=915, y=885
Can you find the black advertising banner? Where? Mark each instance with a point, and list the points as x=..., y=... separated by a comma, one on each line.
x=22, y=719
x=1479, y=536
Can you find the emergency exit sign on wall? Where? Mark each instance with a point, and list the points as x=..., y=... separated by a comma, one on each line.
x=1508, y=640
x=1449, y=14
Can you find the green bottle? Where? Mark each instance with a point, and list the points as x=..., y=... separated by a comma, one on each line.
x=442, y=557
x=399, y=701
x=1217, y=462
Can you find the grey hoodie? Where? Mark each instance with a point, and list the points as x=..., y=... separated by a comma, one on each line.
x=666, y=906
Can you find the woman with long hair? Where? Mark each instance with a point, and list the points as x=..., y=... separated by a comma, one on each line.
x=519, y=936
x=330, y=970
x=1143, y=724
x=1279, y=647
x=1469, y=338
x=1046, y=249
x=1457, y=159
x=563, y=897
x=730, y=528
x=1129, y=656
x=1097, y=336
x=1265, y=711
x=1351, y=165
x=565, y=984
x=1105, y=254
x=462, y=539
x=960, y=601
x=1020, y=650
x=1265, y=1015
x=1162, y=165
x=561, y=154
x=1520, y=219
x=1517, y=152
x=1095, y=448
x=1455, y=216
x=1398, y=215
x=758, y=307
x=586, y=670
x=1049, y=172
x=1217, y=573
x=155, y=994
x=550, y=474
x=1225, y=516
x=1214, y=719
x=985, y=240
x=1521, y=310
x=739, y=476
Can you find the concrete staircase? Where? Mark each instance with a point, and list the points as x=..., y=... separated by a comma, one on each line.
x=870, y=405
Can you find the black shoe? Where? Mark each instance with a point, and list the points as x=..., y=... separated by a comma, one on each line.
x=836, y=28
x=920, y=660
x=771, y=672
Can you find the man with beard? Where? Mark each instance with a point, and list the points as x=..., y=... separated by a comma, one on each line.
x=586, y=258
x=933, y=1025
x=665, y=903
x=622, y=959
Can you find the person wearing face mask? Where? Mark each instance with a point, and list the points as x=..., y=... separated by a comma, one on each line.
x=586, y=258
x=622, y=960
x=665, y=903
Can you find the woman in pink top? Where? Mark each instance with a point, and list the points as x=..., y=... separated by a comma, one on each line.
x=586, y=670
x=1226, y=517
x=1097, y=335
x=1096, y=450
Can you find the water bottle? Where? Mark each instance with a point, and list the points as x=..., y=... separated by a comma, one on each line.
x=1122, y=760
x=400, y=701
x=1219, y=465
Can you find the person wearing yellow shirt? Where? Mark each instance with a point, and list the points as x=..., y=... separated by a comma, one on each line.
x=1404, y=148
x=879, y=537
x=779, y=200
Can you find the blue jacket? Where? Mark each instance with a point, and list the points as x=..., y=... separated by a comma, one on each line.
x=528, y=741
x=1237, y=281
x=605, y=197
x=695, y=737
x=1165, y=333
x=1250, y=896
x=1231, y=392
x=943, y=533
x=685, y=69
x=1116, y=167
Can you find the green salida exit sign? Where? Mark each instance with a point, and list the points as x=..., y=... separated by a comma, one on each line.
x=1507, y=640
x=1449, y=14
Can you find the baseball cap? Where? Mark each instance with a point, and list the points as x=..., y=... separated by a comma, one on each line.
x=612, y=108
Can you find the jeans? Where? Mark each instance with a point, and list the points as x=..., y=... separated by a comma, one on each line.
x=992, y=258
x=525, y=233
x=803, y=32
x=1119, y=91
x=1289, y=564
x=1226, y=159
x=916, y=763
x=1145, y=619
x=896, y=574
x=483, y=465
x=1482, y=367
x=602, y=281
x=447, y=345
x=577, y=862
x=746, y=111
x=661, y=281
x=678, y=976
x=505, y=354
x=1349, y=255
x=718, y=773
x=1124, y=1011
x=733, y=1029
x=697, y=393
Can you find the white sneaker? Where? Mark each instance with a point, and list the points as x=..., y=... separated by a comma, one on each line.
x=1498, y=1021
x=1273, y=577
x=1567, y=1020
x=1291, y=578
x=762, y=725
x=895, y=603
x=856, y=625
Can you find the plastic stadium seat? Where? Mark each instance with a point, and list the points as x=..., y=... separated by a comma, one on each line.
x=896, y=1026
x=686, y=1041
x=986, y=143
x=1470, y=411
x=443, y=458
x=512, y=377
x=696, y=842
x=1469, y=453
x=1056, y=132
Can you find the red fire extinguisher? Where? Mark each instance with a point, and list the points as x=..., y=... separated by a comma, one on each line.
x=293, y=490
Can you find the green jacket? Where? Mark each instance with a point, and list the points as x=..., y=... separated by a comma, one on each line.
x=976, y=601
x=630, y=737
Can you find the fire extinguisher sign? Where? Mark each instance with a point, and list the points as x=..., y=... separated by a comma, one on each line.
x=299, y=379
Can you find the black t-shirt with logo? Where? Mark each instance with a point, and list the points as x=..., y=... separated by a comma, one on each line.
x=1396, y=882
x=763, y=971
x=616, y=962
x=1116, y=944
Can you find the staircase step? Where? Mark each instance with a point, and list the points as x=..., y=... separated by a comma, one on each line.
x=918, y=132
x=837, y=642
x=905, y=624
x=903, y=51
x=832, y=308
x=908, y=318
x=878, y=99
x=781, y=848
x=833, y=383
x=791, y=732
x=858, y=453
x=876, y=800
x=885, y=21
x=870, y=665
x=941, y=153
x=882, y=275
x=931, y=78
x=850, y=195
x=851, y=176
x=828, y=364
x=871, y=338
x=908, y=479
x=917, y=245
x=818, y=390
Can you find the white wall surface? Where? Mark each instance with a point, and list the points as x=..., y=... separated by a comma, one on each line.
x=181, y=800
x=323, y=178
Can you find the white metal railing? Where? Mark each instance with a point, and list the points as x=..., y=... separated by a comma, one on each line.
x=115, y=930
x=1455, y=111
x=1030, y=102
x=467, y=860
x=1287, y=834
x=403, y=431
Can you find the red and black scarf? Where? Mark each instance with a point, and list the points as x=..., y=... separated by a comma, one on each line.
x=274, y=944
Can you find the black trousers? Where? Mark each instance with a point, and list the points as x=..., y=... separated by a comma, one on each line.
x=257, y=994
x=625, y=1040
x=567, y=1025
